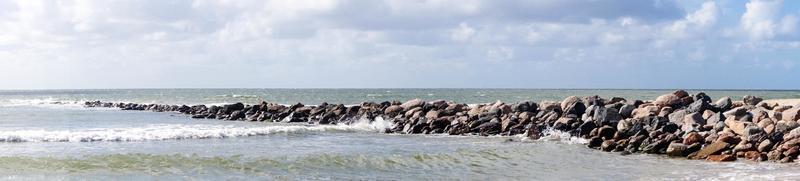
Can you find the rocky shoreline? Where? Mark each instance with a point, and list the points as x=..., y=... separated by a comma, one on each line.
x=677, y=124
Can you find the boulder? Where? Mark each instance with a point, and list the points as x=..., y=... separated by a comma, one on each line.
x=724, y=103
x=626, y=111
x=573, y=105
x=765, y=146
x=680, y=93
x=413, y=103
x=692, y=121
x=751, y=100
x=701, y=97
x=735, y=126
x=608, y=145
x=606, y=132
x=715, y=118
x=721, y=158
x=667, y=100
x=676, y=149
x=698, y=106
x=710, y=149
x=753, y=133
x=792, y=114
x=693, y=137
x=393, y=110
x=677, y=117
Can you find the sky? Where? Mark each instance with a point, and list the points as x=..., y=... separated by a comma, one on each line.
x=651, y=44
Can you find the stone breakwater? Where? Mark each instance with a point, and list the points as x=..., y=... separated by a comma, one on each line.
x=677, y=124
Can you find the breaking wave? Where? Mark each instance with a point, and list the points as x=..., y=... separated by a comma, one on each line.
x=180, y=131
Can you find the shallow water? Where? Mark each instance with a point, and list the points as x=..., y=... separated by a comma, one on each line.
x=40, y=140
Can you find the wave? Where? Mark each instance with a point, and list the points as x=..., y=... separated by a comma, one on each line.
x=238, y=96
x=43, y=102
x=180, y=131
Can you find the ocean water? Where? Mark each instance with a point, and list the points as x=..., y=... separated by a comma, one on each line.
x=48, y=134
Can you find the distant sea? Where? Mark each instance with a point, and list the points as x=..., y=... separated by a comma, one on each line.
x=48, y=134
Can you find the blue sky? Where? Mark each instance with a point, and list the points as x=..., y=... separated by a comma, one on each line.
x=400, y=44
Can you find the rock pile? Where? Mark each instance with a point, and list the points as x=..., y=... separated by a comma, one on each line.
x=676, y=124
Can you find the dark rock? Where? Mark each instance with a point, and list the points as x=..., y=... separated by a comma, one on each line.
x=702, y=97
x=751, y=100
x=724, y=103
x=595, y=142
x=606, y=132
x=608, y=145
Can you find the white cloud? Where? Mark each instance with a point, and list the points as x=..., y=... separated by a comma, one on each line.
x=699, y=20
x=762, y=21
x=788, y=25
x=199, y=39
x=463, y=33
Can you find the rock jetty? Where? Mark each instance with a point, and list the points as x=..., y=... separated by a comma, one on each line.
x=677, y=124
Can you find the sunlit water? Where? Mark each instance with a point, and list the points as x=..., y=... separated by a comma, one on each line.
x=48, y=134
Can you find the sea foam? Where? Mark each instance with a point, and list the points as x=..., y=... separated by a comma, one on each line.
x=181, y=131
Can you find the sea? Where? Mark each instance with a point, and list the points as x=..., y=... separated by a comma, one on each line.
x=50, y=135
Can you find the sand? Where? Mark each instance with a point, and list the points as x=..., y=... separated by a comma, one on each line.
x=790, y=102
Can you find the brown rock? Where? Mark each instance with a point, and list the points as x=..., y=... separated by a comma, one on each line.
x=431, y=115
x=755, y=156
x=765, y=145
x=413, y=103
x=721, y=158
x=680, y=93
x=692, y=138
x=393, y=110
x=608, y=145
x=667, y=100
x=735, y=126
x=792, y=114
x=710, y=149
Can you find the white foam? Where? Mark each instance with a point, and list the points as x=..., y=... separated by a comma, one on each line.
x=180, y=131
x=551, y=134
x=43, y=102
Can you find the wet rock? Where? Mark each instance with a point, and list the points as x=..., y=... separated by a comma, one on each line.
x=237, y=115
x=608, y=145
x=595, y=142
x=755, y=156
x=721, y=158
x=606, y=116
x=713, y=148
x=692, y=138
x=676, y=149
x=573, y=105
x=606, y=132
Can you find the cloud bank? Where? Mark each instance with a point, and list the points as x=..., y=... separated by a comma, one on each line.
x=399, y=43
